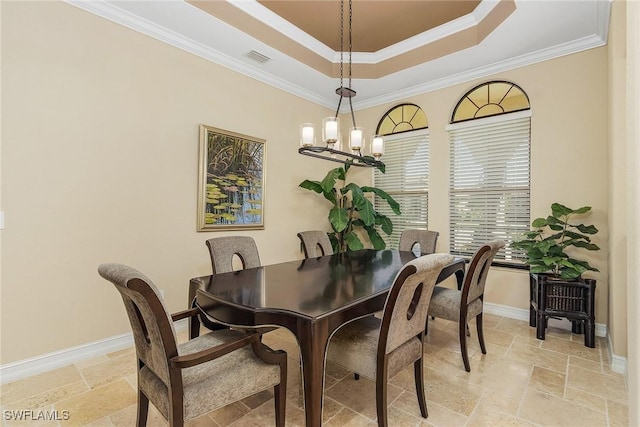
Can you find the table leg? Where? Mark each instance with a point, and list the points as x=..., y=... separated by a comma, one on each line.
x=313, y=341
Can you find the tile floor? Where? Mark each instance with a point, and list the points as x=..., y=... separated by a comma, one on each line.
x=520, y=382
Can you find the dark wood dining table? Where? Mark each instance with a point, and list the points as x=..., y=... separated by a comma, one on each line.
x=312, y=298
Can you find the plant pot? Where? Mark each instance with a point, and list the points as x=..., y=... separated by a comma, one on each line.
x=574, y=299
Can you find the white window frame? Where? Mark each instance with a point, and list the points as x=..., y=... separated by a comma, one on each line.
x=501, y=208
x=411, y=193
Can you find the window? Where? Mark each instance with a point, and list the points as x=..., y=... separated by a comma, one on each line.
x=407, y=169
x=402, y=118
x=489, y=169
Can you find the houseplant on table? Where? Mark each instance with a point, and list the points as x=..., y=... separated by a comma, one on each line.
x=556, y=284
x=352, y=210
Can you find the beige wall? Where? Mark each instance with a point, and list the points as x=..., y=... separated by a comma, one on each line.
x=99, y=163
x=633, y=219
x=568, y=99
x=618, y=229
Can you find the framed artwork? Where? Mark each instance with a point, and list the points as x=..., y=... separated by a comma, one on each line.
x=231, y=181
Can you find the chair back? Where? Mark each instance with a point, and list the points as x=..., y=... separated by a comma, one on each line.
x=405, y=311
x=153, y=331
x=315, y=243
x=476, y=276
x=427, y=240
x=222, y=250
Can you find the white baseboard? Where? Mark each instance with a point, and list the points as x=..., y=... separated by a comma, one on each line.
x=618, y=363
x=36, y=365
x=522, y=314
x=47, y=362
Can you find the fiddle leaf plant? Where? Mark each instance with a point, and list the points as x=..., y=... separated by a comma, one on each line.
x=352, y=210
x=545, y=246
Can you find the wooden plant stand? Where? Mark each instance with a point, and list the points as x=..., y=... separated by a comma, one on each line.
x=572, y=299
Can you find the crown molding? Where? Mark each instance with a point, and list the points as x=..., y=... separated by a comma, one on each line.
x=488, y=70
x=119, y=16
x=110, y=11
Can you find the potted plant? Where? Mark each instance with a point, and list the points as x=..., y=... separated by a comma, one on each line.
x=352, y=210
x=545, y=248
x=557, y=288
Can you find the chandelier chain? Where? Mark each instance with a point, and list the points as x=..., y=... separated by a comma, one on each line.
x=341, y=41
x=350, y=43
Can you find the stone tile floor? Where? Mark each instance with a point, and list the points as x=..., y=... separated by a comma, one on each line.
x=522, y=381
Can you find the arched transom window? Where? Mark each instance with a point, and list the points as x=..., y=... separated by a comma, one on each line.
x=402, y=118
x=490, y=99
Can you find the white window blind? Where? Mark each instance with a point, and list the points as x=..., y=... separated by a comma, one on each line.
x=489, y=183
x=406, y=180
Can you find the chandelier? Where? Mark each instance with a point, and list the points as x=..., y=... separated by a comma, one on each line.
x=331, y=125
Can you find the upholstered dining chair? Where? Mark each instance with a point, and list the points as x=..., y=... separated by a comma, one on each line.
x=465, y=304
x=380, y=348
x=427, y=240
x=223, y=251
x=315, y=243
x=184, y=381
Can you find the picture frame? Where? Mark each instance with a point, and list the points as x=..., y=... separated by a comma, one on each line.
x=231, y=181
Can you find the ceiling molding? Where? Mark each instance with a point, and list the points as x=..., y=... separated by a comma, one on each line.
x=489, y=70
x=114, y=13
x=303, y=81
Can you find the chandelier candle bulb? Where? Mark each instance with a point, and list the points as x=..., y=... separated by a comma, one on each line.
x=356, y=140
x=330, y=128
x=307, y=135
x=377, y=147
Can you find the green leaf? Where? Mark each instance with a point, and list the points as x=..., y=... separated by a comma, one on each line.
x=559, y=210
x=339, y=218
x=586, y=245
x=587, y=229
x=539, y=223
x=576, y=236
x=331, y=196
x=376, y=240
x=395, y=206
x=582, y=210
x=361, y=203
x=329, y=181
x=385, y=223
x=353, y=241
x=311, y=185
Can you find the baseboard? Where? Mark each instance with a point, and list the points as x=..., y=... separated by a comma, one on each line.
x=618, y=363
x=47, y=362
x=36, y=365
x=522, y=314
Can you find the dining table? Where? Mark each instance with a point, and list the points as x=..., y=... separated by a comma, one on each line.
x=312, y=298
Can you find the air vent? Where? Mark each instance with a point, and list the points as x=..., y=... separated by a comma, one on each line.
x=257, y=56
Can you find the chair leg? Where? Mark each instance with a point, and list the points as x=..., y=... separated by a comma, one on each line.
x=381, y=400
x=480, y=333
x=418, y=373
x=194, y=324
x=462, y=329
x=143, y=409
x=280, y=398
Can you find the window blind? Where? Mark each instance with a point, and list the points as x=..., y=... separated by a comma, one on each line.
x=406, y=180
x=489, y=183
